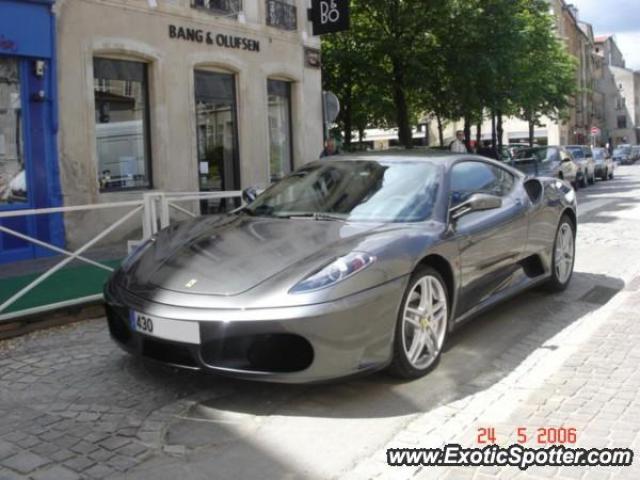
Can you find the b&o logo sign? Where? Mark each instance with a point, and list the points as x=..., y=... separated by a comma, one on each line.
x=329, y=16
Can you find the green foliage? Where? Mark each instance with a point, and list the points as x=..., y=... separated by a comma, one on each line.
x=451, y=58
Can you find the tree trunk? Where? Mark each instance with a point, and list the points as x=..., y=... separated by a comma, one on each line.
x=440, y=130
x=531, y=129
x=402, y=109
x=479, y=134
x=348, y=120
x=467, y=133
x=493, y=129
x=499, y=131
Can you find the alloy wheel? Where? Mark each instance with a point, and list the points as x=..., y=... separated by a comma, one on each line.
x=424, y=322
x=565, y=253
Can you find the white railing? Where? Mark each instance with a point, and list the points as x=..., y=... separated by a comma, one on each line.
x=155, y=214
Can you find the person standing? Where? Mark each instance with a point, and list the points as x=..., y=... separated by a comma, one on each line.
x=330, y=148
x=458, y=145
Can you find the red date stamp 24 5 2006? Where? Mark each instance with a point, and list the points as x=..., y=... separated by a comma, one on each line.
x=539, y=436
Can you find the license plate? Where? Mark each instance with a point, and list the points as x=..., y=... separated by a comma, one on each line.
x=175, y=330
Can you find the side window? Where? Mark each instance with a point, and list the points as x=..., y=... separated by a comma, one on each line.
x=468, y=178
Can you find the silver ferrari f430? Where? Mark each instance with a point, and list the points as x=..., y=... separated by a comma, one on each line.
x=348, y=265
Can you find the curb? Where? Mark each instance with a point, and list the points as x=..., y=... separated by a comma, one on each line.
x=56, y=318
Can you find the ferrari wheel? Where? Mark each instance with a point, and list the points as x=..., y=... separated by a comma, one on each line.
x=422, y=325
x=564, y=255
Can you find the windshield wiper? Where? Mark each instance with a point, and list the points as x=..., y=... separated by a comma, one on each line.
x=318, y=216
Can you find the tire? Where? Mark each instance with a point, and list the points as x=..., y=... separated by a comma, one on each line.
x=583, y=181
x=410, y=323
x=561, y=278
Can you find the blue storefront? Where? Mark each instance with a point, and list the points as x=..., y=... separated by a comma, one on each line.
x=29, y=174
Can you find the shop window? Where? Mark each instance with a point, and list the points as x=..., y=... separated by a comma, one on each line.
x=282, y=14
x=13, y=174
x=280, y=141
x=122, y=124
x=217, y=136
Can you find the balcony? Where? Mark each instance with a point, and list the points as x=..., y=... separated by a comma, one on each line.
x=226, y=8
x=282, y=15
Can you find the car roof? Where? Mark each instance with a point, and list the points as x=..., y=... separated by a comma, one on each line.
x=403, y=155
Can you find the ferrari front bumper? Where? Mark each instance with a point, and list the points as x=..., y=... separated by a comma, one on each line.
x=301, y=344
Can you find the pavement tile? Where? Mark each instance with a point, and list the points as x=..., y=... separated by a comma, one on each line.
x=56, y=473
x=6, y=449
x=79, y=463
x=99, y=471
x=113, y=443
x=9, y=475
x=24, y=462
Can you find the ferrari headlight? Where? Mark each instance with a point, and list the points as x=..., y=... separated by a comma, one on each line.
x=337, y=271
x=137, y=253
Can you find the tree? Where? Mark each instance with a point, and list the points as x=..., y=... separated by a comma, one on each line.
x=391, y=38
x=346, y=63
x=547, y=71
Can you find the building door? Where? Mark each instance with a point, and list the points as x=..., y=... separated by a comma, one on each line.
x=217, y=137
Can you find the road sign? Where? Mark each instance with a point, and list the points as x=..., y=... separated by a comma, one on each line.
x=329, y=16
x=595, y=131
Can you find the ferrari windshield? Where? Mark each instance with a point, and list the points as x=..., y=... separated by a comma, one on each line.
x=369, y=191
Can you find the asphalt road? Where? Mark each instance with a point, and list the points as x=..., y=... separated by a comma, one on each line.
x=73, y=405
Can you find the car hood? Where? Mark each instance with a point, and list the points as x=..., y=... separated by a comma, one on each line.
x=232, y=254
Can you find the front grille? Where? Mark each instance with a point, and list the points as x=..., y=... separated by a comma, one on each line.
x=275, y=353
x=167, y=352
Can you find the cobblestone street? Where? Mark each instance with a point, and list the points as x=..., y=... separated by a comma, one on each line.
x=73, y=405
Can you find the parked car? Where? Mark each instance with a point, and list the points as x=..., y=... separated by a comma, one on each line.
x=514, y=147
x=550, y=161
x=583, y=156
x=635, y=153
x=346, y=266
x=623, y=155
x=605, y=166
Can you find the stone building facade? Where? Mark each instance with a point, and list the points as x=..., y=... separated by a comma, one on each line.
x=182, y=96
x=620, y=94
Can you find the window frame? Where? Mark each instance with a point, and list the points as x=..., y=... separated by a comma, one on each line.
x=237, y=167
x=146, y=125
x=289, y=84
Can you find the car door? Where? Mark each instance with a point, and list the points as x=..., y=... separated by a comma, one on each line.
x=568, y=167
x=491, y=242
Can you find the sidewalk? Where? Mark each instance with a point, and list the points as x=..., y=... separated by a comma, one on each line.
x=586, y=377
